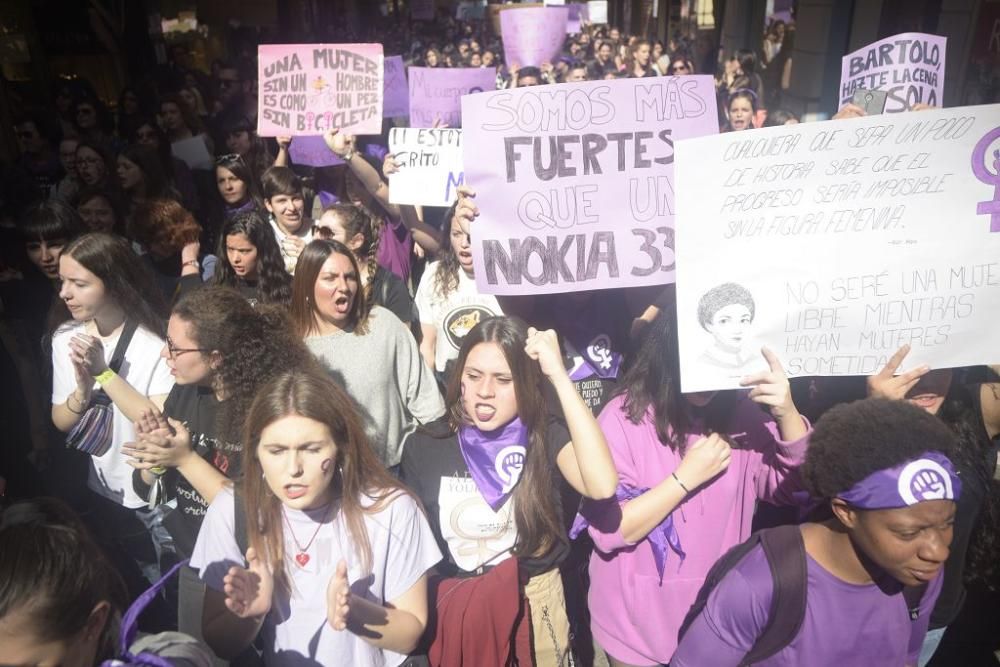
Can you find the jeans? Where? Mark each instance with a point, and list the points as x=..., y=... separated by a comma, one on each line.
x=931, y=642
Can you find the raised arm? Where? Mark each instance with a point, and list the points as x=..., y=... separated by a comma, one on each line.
x=585, y=460
x=344, y=147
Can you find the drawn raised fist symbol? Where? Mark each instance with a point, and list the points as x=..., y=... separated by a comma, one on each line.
x=928, y=485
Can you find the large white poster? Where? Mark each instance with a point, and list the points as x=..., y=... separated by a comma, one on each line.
x=836, y=243
x=429, y=162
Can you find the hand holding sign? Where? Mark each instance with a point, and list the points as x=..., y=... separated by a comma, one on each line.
x=339, y=143
x=886, y=384
x=771, y=388
x=849, y=111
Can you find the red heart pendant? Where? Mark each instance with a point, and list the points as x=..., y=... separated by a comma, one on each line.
x=302, y=559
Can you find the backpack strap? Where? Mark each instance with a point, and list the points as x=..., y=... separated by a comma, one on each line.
x=122, y=346
x=726, y=562
x=240, y=522
x=786, y=556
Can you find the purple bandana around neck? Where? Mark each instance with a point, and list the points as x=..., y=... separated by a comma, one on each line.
x=661, y=538
x=595, y=351
x=929, y=477
x=495, y=459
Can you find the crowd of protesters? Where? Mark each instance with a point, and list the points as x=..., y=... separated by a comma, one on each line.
x=258, y=414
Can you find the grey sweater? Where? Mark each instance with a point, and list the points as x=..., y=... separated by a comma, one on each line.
x=384, y=373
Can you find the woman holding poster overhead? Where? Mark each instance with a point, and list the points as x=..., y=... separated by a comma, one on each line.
x=491, y=477
x=448, y=300
x=692, y=468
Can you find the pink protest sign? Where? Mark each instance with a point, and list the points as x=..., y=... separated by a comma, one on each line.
x=575, y=181
x=533, y=35
x=307, y=89
x=312, y=152
x=436, y=92
x=909, y=67
x=396, y=100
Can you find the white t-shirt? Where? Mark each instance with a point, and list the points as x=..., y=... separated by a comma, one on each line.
x=146, y=371
x=453, y=316
x=296, y=630
x=304, y=233
x=476, y=534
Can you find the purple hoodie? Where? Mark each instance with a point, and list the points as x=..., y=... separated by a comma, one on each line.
x=634, y=616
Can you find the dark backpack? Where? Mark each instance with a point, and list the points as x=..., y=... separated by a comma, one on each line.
x=786, y=556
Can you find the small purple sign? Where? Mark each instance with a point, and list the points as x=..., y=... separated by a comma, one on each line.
x=436, y=92
x=312, y=152
x=396, y=93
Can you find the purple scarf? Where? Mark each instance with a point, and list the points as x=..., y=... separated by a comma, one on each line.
x=661, y=538
x=595, y=351
x=495, y=459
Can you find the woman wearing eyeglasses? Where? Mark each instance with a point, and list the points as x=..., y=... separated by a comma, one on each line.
x=219, y=350
x=94, y=165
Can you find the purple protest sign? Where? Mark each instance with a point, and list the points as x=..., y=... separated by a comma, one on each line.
x=575, y=181
x=909, y=67
x=312, y=152
x=533, y=35
x=396, y=94
x=577, y=15
x=436, y=92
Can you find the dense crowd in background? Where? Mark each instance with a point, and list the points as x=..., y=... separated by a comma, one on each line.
x=281, y=401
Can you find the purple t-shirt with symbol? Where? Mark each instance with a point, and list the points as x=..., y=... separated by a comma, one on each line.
x=844, y=624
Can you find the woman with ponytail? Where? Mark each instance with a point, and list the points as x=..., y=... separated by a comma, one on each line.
x=359, y=231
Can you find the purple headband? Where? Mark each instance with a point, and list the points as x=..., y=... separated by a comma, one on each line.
x=929, y=477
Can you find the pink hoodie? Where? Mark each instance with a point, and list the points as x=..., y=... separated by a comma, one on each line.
x=634, y=616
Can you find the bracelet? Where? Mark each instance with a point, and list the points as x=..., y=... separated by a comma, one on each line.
x=104, y=377
x=678, y=480
x=82, y=406
x=346, y=157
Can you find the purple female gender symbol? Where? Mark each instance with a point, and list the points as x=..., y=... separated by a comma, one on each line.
x=991, y=208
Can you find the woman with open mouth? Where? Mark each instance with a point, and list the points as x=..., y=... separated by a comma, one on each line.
x=365, y=348
x=498, y=478
x=336, y=550
x=971, y=408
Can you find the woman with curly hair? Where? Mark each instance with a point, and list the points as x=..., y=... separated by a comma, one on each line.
x=972, y=411
x=872, y=565
x=352, y=226
x=220, y=350
x=170, y=236
x=448, y=300
x=250, y=261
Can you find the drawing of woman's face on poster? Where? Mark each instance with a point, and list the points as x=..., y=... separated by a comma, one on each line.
x=730, y=326
x=727, y=312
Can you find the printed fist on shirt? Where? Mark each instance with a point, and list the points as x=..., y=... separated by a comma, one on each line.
x=705, y=459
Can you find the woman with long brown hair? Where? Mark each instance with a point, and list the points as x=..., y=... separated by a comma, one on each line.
x=491, y=478
x=336, y=549
x=366, y=348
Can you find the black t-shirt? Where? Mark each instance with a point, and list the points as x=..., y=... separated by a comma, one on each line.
x=975, y=475
x=389, y=292
x=197, y=407
x=471, y=534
